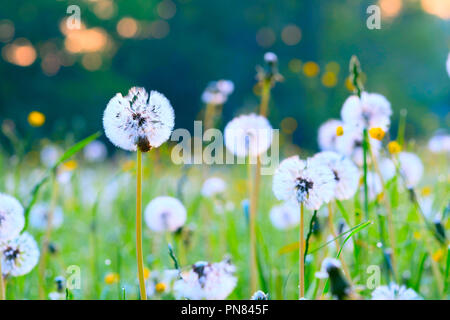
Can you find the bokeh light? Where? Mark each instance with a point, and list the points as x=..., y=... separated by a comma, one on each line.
x=390, y=8
x=265, y=37
x=127, y=27
x=311, y=69
x=21, y=52
x=166, y=9
x=440, y=8
x=291, y=35
x=6, y=30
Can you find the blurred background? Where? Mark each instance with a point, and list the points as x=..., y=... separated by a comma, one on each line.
x=179, y=46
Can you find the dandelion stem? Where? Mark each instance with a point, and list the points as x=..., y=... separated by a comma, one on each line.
x=391, y=229
x=366, y=189
x=252, y=226
x=333, y=233
x=140, y=260
x=2, y=283
x=301, y=288
x=265, y=96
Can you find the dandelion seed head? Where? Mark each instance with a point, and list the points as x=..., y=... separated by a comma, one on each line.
x=39, y=215
x=213, y=186
x=327, y=265
x=411, y=168
x=286, y=215
x=328, y=133
x=394, y=292
x=248, y=135
x=270, y=57
x=12, y=219
x=138, y=121
x=344, y=170
x=307, y=182
x=19, y=255
x=371, y=110
x=260, y=295
x=207, y=281
x=165, y=214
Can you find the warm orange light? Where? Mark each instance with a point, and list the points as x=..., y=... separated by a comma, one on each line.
x=440, y=8
x=127, y=27
x=21, y=52
x=86, y=40
x=390, y=8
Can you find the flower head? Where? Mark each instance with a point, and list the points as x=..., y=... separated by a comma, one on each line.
x=411, y=168
x=328, y=133
x=95, y=151
x=210, y=281
x=165, y=214
x=217, y=92
x=306, y=182
x=212, y=186
x=137, y=120
x=260, y=295
x=371, y=110
x=161, y=282
x=248, y=135
x=12, y=219
x=394, y=147
x=331, y=268
x=376, y=133
x=36, y=119
x=40, y=213
x=19, y=255
x=345, y=173
x=394, y=292
x=286, y=215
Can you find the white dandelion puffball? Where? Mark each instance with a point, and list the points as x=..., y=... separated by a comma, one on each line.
x=270, y=57
x=440, y=143
x=217, y=92
x=373, y=110
x=137, y=121
x=309, y=183
x=248, y=135
x=387, y=168
x=351, y=144
x=206, y=281
x=286, y=215
x=327, y=134
x=49, y=155
x=260, y=295
x=327, y=265
x=411, y=168
x=345, y=173
x=213, y=186
x=95, y=151
x=394, y=292
x=40, y=213
x=374, y=185
x=19, y=255
x=165, y=214
x=12, y=219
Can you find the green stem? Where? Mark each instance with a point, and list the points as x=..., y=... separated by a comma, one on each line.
x=366, y=189
x=140, y=260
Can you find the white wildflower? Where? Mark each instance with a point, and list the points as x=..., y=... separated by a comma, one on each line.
x=19, y=255
x=296, y=179
x=327, y=135
x=411, y=168
x=137, y=121
x=40, y=213
x=248, y=135
x=345, y=173
x=213, y=186
x=12, y=219
x=394, y=292
x=206, y=281
x=165, y=214
x=286, y=215
x=372, y=110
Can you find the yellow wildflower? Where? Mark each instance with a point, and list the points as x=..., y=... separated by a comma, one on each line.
x=376, y=133
x=36, y=118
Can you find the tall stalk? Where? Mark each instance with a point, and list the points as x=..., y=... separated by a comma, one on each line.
x=252, y=226
x=301, y=287
x=140, y=260
x=2, y=283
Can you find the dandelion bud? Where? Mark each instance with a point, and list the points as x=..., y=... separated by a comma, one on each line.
x=339, y=131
